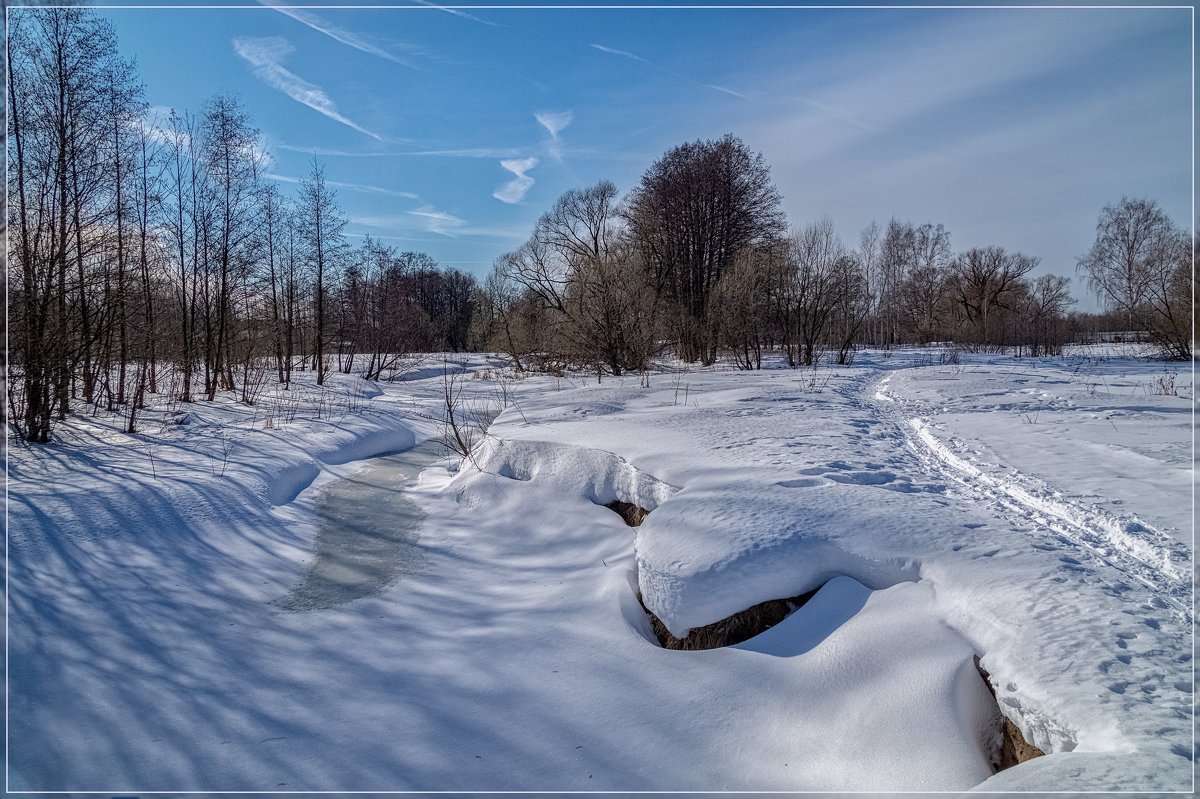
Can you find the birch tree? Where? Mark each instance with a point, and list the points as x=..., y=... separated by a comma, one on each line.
x=320, y=224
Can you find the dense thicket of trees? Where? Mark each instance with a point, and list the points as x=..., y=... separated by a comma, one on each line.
x=151, y=255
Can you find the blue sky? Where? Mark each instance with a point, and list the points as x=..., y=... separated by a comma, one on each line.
x=451, y=133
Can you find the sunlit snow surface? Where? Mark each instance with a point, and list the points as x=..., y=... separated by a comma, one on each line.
x=1035, y=513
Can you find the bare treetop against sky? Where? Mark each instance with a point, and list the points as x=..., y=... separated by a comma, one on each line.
x=452, y=130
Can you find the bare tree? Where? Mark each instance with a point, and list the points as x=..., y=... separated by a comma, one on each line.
x=123, y=107
x=147, y=207
x=188, y=195
x=1132, y=267
x=1042, y=311
x=56, y=62
x=895, y=256
x=291, y=279
x=459, y=290
x=743, y=303
x=852, y=309
x=984, y=281
x=925, y=285
x=695, y=209
x=1133, y=238
x=135, y=248
x=233, y=161
x=275, y=217
x=912, y=281
x=823, y=274
x=584, y=270
x=464, y=424
x=1169, y=306
x=870, y=259
x=507, y=316
x=320, y=223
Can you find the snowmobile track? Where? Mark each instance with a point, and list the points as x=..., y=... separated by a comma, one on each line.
x=1124, y=543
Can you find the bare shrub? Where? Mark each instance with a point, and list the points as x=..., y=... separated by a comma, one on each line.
x=464, y=423
x=1167, y=385
x=950, y=356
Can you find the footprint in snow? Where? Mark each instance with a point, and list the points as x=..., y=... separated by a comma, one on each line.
x=804, y=482
x=846, y=475
x=864, y=478
x=1184, y=752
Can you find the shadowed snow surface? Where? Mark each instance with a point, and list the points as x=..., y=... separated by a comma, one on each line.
x=478, y=628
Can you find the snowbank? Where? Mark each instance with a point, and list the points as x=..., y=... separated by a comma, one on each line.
x=149, y=650
x=595, y=475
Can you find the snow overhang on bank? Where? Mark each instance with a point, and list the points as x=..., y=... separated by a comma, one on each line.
x=581, y=473
x=713, y=551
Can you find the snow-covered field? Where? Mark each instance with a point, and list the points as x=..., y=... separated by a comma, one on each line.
x=227, y=603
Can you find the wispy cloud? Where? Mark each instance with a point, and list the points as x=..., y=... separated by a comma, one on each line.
x=342, y=35
x=625, y=53
x=514, y=190
x=439, y=222
x=265, y=55
x=664, y=70
x=467, y=152
x=408, y=226
x=456, y=12
x=717, y=88
x=936, y=71
x=554, y=122
x=156, y=124
x=358, y=187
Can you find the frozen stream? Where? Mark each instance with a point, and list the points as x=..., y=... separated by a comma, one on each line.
x=367, y=533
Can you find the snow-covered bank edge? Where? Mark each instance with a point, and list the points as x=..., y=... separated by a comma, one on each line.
x=755, y=486
x=215, y=455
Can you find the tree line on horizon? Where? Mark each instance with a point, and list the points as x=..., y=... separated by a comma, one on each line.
x=154, y=256
x=699, y=258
